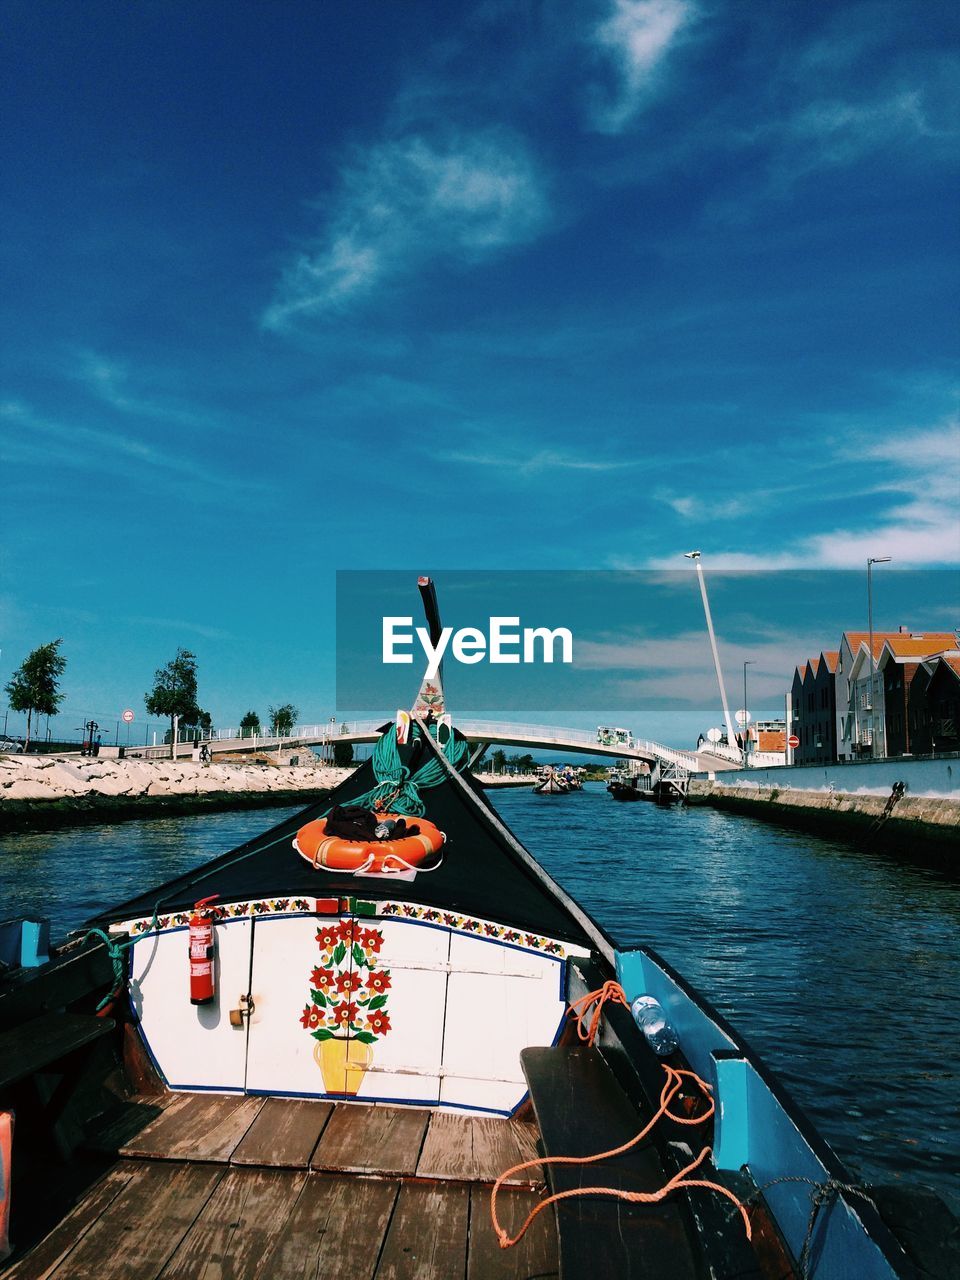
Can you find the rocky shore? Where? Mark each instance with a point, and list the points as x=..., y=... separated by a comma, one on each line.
x=53, y=791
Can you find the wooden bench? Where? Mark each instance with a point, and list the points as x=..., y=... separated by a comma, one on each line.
x=581, y=1110
x=43, y=1041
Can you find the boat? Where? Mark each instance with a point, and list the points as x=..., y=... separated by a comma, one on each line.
x=551, y=783
x=663, y=787
x=277, y=1065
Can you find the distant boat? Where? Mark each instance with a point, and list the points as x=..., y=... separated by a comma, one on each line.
x=551, y=784
x=648, y=786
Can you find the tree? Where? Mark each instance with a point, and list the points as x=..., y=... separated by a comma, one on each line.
x=175, y=691
x=250, y=725
x=343, y=754
x=499, y=760
x=282, y=719
x=34, y=686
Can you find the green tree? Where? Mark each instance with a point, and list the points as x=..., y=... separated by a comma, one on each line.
x=524, y=763
x=174, y=691
x=499, y=760
x=343, y=754
x=34, y=686
x=250, y=725
x=282, y=719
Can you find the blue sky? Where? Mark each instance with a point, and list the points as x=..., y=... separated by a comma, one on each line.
x=293, y=288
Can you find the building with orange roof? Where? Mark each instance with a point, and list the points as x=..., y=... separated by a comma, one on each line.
x=864, y=728
x=906, y=668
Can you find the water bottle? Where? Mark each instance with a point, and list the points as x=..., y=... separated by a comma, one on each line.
x=653, y=1022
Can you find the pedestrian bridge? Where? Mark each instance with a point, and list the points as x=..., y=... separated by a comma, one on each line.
x=479, y=733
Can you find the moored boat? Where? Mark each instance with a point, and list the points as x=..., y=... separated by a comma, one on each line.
x=321, y=1062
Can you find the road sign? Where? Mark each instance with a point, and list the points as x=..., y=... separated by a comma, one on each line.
x=714, y=735
x=793, y=742
x=742, y=717
x=127, y=716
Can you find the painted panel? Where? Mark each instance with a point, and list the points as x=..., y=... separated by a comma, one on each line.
x=193, y=1046
x=405, y=1064
x=499, y=1001
x=287, y=965
x=347, y=1007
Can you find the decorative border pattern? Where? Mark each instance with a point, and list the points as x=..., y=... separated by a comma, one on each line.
x=469, y=925
x=223, y=911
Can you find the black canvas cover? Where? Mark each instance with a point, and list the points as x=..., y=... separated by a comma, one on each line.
x=479, y=874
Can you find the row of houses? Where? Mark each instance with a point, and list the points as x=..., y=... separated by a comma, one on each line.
x=902, y=697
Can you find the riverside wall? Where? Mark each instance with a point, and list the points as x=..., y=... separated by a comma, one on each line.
x=38, y=792
x=854, y=802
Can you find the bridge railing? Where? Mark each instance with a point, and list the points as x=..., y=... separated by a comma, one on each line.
x=492, y=730
x=541, y=733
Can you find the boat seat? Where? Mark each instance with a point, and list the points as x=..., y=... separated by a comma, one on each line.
x=43, y=1041
x=581, y=1110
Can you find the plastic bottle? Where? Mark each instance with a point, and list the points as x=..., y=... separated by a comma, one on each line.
x=653, y=1022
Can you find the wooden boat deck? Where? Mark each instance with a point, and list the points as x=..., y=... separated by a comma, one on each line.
x=207, y=1186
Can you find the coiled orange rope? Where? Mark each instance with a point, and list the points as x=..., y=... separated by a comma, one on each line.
x=671, y=1087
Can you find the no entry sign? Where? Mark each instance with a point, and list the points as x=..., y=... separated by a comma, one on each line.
x=793, y=742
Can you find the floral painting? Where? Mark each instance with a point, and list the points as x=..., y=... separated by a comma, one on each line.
x=347, y=1011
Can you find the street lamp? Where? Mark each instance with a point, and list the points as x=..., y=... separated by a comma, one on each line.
x=695, y=557
x=750, y=662
x=871, y=561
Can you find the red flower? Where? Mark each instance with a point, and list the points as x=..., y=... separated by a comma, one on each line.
x=346, y=1012
x=347, y=931
x=322, y=979
x=379, y=980
x=312, y=1017
x=372, y=940
x=378, y=1022
x=349, y=982
x=327, y=937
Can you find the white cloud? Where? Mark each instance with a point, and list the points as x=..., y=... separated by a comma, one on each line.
x=907, y=480
x=635, y=37
x=832, y=132
x=408, y=201
x=26, y=440
x=539, y=461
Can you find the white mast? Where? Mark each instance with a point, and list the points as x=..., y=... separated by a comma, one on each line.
x=731, y=728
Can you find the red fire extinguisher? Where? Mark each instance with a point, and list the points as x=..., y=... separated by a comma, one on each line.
x=202, y=953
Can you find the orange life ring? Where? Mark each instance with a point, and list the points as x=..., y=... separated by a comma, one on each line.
x=370, y=857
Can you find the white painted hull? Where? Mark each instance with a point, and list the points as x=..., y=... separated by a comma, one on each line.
x=454, y=1001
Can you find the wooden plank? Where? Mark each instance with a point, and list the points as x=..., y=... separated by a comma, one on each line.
x=41, y=1042
x=477, y=1149
x=238, y=1226
x=533, y=1258
x=122, y=1123
x=141, y=1227
x=427, y=1239
x=336, y=1229
x=284, y=1134
x=204, y=1126
x=385, y=1140
x=46, y=1257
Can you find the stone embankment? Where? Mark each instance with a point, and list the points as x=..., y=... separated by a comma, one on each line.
x=52, y=791
x=920, y=827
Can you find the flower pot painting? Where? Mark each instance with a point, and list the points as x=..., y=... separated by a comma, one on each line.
x=347, y=1011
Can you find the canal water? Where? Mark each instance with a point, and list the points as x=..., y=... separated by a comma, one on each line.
x=841, y=968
